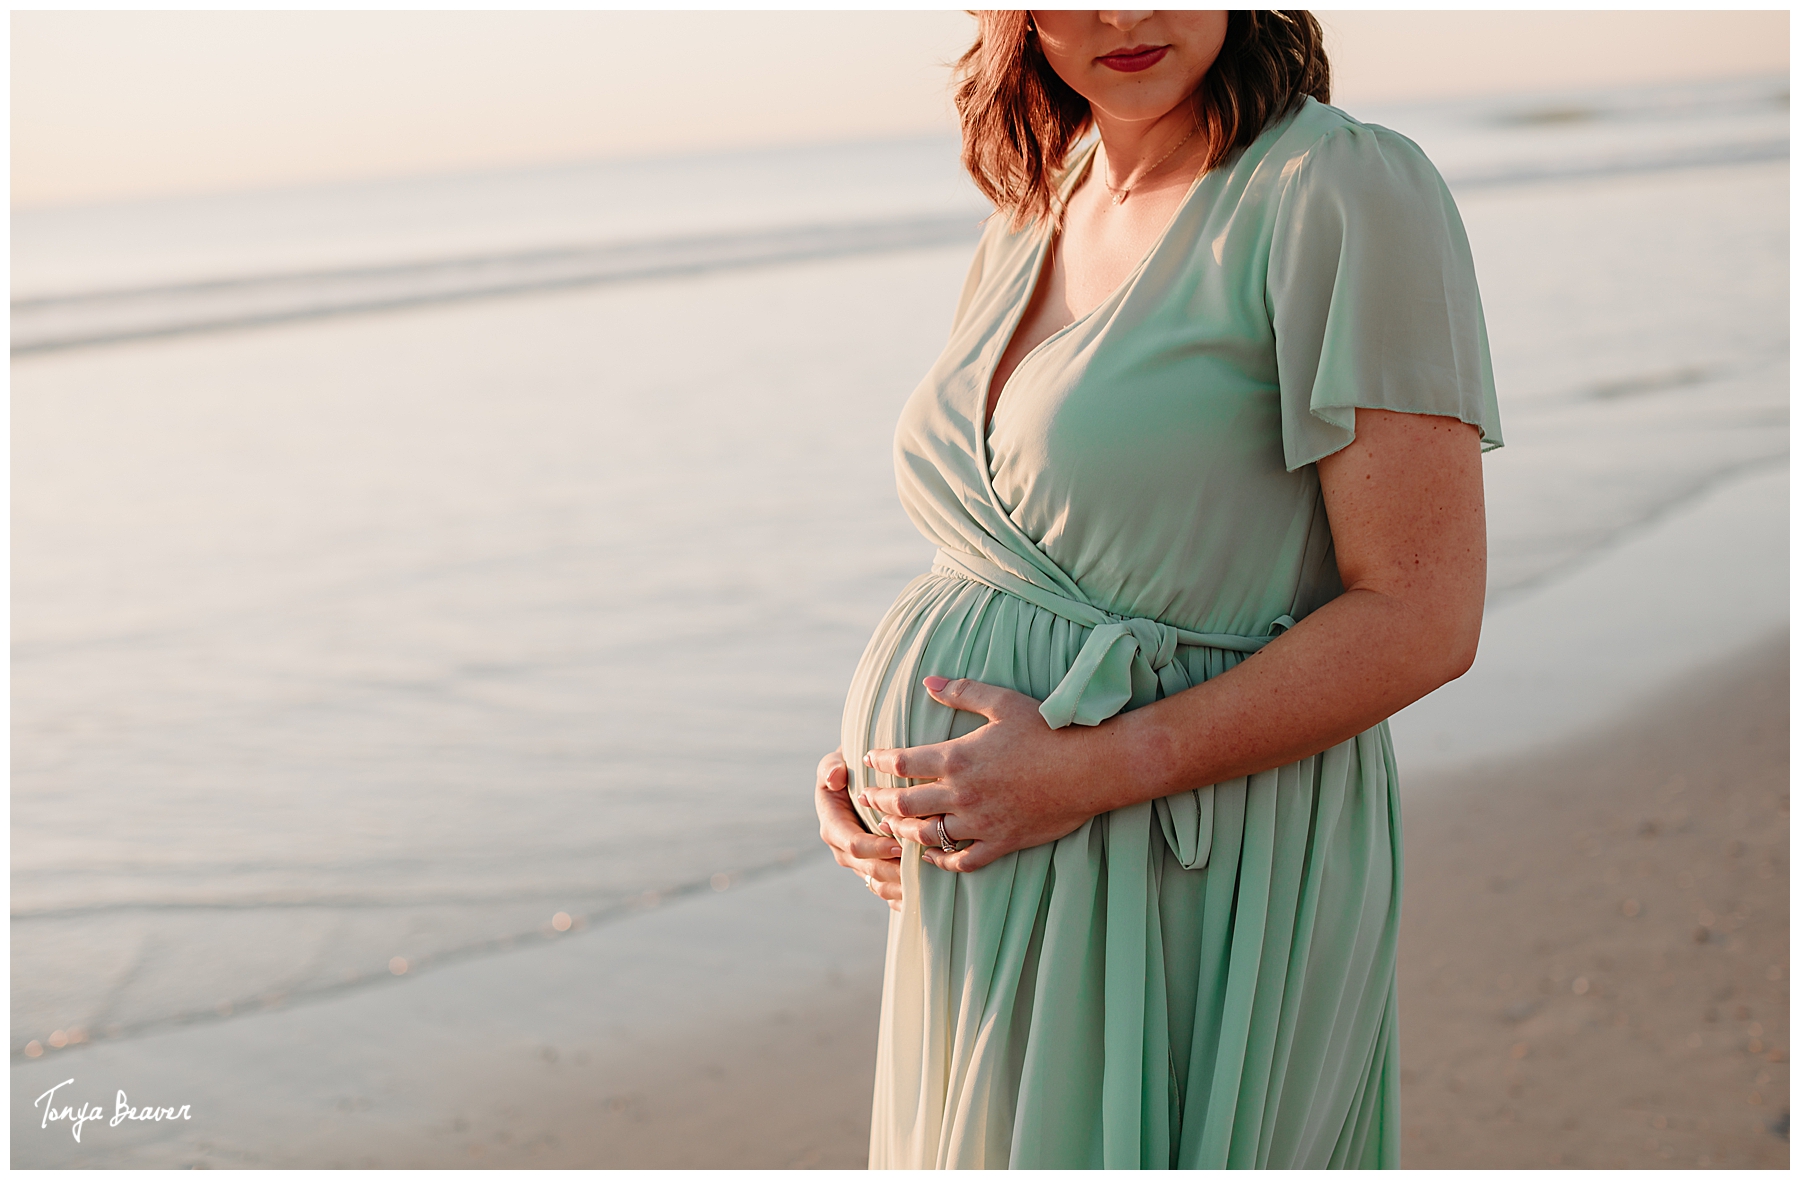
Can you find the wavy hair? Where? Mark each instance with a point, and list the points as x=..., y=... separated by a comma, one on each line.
x=1019, y=119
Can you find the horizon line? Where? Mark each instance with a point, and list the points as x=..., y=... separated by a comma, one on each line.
x=632, y=157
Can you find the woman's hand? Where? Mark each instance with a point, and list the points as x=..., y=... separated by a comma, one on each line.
x=1014, y=783
x=876, y=859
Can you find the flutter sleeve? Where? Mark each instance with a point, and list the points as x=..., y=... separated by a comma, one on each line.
x=1371, y=290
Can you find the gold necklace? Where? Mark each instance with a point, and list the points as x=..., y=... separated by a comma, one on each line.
x=1119, y=194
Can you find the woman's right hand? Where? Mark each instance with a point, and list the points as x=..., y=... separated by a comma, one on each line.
x=876, y=859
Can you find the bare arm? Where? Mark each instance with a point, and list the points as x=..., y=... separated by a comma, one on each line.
x=1405, y=505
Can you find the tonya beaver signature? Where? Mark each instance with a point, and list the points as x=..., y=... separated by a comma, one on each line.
x=87, y=1112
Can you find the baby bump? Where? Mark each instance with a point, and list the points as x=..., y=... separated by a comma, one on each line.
x=942, y=625
x=946, y=625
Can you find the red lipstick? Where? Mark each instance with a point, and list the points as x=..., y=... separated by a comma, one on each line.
x=1138, y=57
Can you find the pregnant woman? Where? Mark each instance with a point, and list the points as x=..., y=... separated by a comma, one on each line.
x=1202, y=463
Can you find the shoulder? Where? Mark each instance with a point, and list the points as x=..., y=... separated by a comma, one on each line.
x=1320, y=149
x=1000, y=253
x=1001, y=245
x=1315, y=130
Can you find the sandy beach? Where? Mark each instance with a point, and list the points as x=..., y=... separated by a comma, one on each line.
x=1593, y=973
x=1593, y=963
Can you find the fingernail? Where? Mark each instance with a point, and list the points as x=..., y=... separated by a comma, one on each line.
x=868, y=759
x=884, y=829
x=893, y=852
x=935, y=683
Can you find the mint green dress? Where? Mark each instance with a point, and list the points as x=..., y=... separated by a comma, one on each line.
x=1205, y=980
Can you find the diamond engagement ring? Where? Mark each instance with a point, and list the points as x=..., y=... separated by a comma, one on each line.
x=943, y=836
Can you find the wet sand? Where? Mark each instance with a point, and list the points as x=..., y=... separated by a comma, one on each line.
x=1594, y=952
x=719, y=1030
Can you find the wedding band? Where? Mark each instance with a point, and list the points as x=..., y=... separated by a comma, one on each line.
x=943, y=836
x=869, y=880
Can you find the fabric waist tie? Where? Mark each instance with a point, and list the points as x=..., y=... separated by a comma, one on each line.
x=1123, y=662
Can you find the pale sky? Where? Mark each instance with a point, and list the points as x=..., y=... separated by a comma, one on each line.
x=119, y=105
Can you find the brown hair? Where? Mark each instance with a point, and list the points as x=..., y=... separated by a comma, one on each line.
x=1019, y=119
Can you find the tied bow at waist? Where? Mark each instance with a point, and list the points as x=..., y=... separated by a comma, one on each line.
x=1124, y=660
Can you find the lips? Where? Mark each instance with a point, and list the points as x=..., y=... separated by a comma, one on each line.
x=1139, y=57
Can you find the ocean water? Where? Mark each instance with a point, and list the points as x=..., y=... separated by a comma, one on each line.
x=372, y=634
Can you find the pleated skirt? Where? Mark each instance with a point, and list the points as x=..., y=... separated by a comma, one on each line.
x=1201, y=982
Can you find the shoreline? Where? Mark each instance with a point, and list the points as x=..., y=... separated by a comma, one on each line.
x=664, y=1041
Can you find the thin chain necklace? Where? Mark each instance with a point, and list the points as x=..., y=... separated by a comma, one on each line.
x=1119, y=194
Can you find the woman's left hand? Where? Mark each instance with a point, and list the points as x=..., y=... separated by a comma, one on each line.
x=1004, y=787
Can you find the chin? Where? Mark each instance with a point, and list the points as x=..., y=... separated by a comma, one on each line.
x=1139, y=103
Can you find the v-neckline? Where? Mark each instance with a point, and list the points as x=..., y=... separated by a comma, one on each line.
x=1040, y=257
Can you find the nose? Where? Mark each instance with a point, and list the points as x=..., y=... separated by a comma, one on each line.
x=1123, y=21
